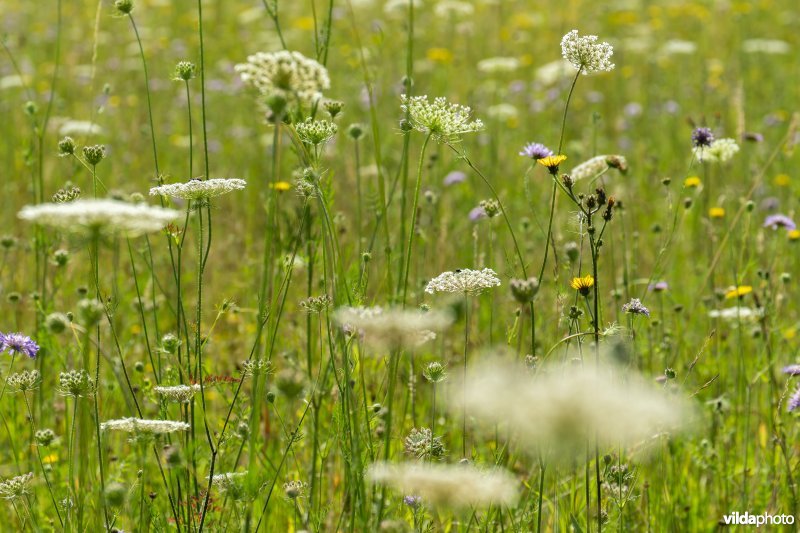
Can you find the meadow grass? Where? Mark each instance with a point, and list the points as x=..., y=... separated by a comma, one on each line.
x=286, y=266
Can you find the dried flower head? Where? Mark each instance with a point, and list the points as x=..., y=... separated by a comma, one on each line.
x=421, y=444
x=449, y=485
x=586, y=54
x=444, y=121
x=94, y=154
x=66, y=146
x=316, y=304
x=197, y=189
x=463, y=281
x=17, y=343
x=177, y=393
x=24, y=381
x=16, y=487
x=294, y=489
x=290, y=75
x=108, y=217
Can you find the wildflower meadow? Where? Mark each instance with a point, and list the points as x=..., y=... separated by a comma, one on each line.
x=399, y=266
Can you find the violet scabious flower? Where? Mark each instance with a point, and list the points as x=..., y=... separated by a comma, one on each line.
x=536, y=151
x=412, y=501
x=454, y=178
x=702, y=137
x=794, y=400
x=477, y=213
x=636, y=307
x=16, y=343
x=779, y=221
x=660, y=286
x=792, y=370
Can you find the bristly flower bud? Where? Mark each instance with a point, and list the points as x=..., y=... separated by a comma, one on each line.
x=184, y=71
x=66, y=147
x=170, y=343
x=608, y=213
x=524, y=290
x=567, y=181
x=94, y=154
x=124, y=7
x=601, y=196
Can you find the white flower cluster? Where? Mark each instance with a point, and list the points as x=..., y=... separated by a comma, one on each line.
x=24, y=381
x=177, y=393
x=453, y=8
x=316, y=132
x=449, y=485
x=585, y=53
x=288, y=74
x=720, y=151
x=16, y=487
x=496, y=65
x=464, y=281
x=766, y=46
x=598, y=164
x=224, y=481
x=393, y=328
x=79, y=128
x=735, y=314
x=100, y=216
x=196, y=189
x=444, y=121
x=142, y=426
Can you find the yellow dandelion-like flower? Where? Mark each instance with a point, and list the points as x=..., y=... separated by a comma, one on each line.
x=582, y=285
x=439, y=55
x=280, y=186
x=739, y=291
x=692, y=182
x=552, y=162
x=782, y=180
x=794, y=234
x=716, y=212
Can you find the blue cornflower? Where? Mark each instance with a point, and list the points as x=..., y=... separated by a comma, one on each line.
x=16, y=343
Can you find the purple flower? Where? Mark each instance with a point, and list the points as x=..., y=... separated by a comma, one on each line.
x=779, y=221
x=794, y=401
x=660, y=286
x=454, y=177
x=753, y=137
x=535, y=151
x=477, y=213
x=702, y=137
x=412, y=501
x=792, y=370
x=633, y=109
x=636, y=307
x=16, y=343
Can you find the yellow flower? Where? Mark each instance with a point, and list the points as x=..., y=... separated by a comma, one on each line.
x=782, y=180
x=582, y=285
x=692, y=182
x=303, y=23
x=49, y=459
x=280, y=186
x=439, y=55
x=552, y=162
x=794, y=234
x=716, y=212
x=739, y=291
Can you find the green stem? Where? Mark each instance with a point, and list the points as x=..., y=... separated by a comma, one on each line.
x=413, y=218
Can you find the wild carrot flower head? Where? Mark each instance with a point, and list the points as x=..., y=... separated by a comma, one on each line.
x=552, y=162
x=702, y=137
x=316, y=132
x=421, y=444
x=393, y=328
x=779, y=221
x=16, y=487
x=197, y=189
x=107, y=217
x=290, y=75
x=636, y=307
x=582, y=284
x=586, y=54
x=177, y=393
x=143, y=427
x=75, y=383
x=24, y=381
x=535, y=151
x=444, y=121
x=720, y=150
x=17, y=343
x=596, y=165
x=463, y=281
x=448, y=485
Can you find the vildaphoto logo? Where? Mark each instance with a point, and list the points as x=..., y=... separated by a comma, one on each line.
x=758, y=520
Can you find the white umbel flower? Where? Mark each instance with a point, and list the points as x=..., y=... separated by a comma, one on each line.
x=586, y=54
x=497, y=65
x=464, y=281
x=16, y=487
x=444, y=121
x=316, y=132
x=448, y=485
x=197, y=189
x=735, y=314
x=79, y=128
x=393, y=328
x=100, y=216
x=720, y=151
x=177, y=393
x=288, y=74
x=141, y=426
x=598, y=164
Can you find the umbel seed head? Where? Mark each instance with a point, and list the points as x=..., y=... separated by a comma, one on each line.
x=124, y=7
x=66, y=146
x=94, y=154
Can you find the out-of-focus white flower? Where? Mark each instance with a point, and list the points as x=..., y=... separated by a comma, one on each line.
x=721, y=151
x=177, y=393
x=496, y=65
x=766, y=46
x=79, y=128
x=734, y=314
x=393, y=328
x=288, y=74
x=197, y=189
x=594, y=166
